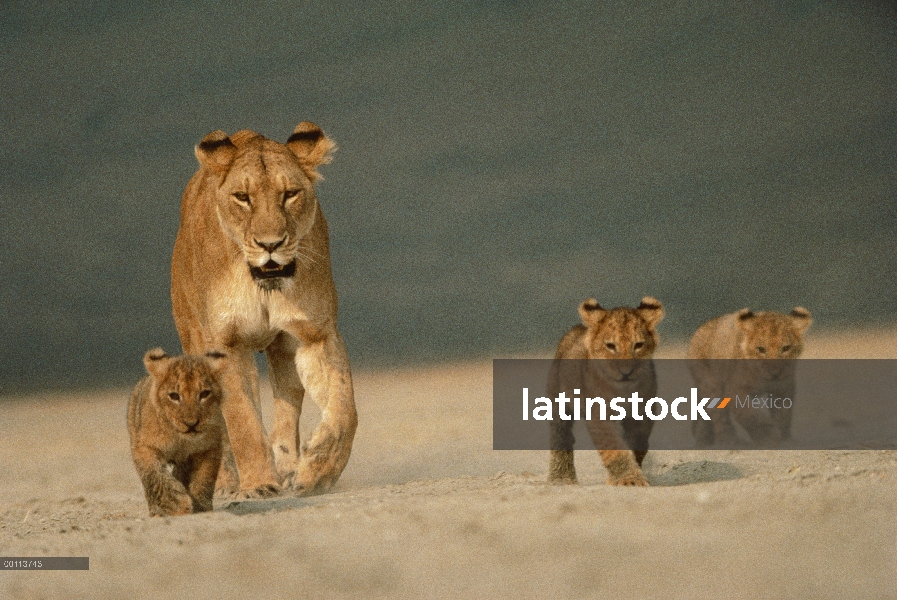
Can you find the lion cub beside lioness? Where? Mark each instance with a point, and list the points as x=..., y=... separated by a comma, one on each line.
x=764, y=343
x=627, y=339
x=176, y=428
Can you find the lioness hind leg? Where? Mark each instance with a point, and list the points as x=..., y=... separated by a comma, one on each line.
x=240, y=407
x=288, y=396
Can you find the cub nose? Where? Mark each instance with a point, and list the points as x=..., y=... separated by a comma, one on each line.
x=269, y=245
x=191, y=423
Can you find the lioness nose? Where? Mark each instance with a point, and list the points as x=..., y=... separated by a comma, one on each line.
x=270, y=246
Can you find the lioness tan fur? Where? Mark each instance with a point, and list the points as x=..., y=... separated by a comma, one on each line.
x=176, y=430
x=625, y=338
x=251, y=272
x=771, y=338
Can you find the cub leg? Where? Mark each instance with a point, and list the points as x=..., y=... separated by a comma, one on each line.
x=560, y=458
x=204, y=471
x=165, y=495
x=622, y=468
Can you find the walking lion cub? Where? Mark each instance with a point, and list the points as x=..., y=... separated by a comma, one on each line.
x=625, y=340
x=176, y=429
x=771, y=339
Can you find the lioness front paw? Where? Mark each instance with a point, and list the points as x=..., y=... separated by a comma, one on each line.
x=268, y=490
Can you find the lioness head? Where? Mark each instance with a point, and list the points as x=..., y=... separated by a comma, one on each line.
x=265, y=199
x=627, y=334
x=187, y=389
x=772, y=336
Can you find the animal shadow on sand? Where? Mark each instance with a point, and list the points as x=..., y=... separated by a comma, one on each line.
x=700, y=471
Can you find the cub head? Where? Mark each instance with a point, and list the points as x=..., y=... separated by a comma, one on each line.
x=770, y=337
x=625, y=334
x=187, y=389
x=772, y=334
x=265, y=197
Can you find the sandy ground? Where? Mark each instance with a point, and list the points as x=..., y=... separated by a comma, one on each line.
x=427, y=509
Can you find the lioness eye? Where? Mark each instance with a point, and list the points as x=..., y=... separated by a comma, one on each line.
x=174, y=396
x=761, y=349
x=242, y=198
x=290, y=194
x=205, y=394
x=611, y=346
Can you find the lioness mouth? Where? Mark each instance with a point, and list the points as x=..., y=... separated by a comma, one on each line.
x=271, y=270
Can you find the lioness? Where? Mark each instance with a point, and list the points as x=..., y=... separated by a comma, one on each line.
x=176, y=431
x=251, y=272
x=624, y=339
x=770, y=337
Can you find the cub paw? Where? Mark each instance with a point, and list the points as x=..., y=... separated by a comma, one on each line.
x=172, y=504
x=636, y=478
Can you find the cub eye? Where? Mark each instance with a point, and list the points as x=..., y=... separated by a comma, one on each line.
x=611, y=346
x=174, y=397
x=786, y=347
x=290, y=195
x=639, y=345
x=761, y=349
x=205, y=394
x=242, y=198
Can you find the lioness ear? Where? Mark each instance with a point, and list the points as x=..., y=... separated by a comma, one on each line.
x=156, y=361
x=651, y=310
x=591, y=312
x=311, y=147
x=802, y=319
x=217, y=360
x=216, y=151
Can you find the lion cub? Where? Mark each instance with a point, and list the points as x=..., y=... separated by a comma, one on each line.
x=629, y=338
x=176, y=428
x=768, y=337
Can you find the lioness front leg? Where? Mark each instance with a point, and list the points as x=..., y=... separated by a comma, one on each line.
x=323, y=367
x=288, y=396
x=249, y=443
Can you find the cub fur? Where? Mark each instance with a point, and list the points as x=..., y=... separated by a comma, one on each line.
x=250, y=272
x=626, y=338
x=771, y=338
x=176, y=429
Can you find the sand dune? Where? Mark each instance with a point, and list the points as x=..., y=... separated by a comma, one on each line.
x=427, y=509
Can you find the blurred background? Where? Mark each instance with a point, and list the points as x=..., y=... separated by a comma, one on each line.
x=499, y=162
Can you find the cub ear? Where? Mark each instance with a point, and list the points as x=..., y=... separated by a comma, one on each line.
x=216, y=151
x=156, y=362
x=311, y=147
x=217, y=360
x=802, y=319
x=591, y=312
x=745, y=318
x=651, y=310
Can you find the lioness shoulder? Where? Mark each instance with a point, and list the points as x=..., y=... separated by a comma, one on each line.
x=176, y=427
x=618, y=344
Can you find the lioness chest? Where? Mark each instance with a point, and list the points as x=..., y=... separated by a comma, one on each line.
x=243, y=314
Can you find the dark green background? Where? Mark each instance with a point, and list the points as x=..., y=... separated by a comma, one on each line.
x=499, y=162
